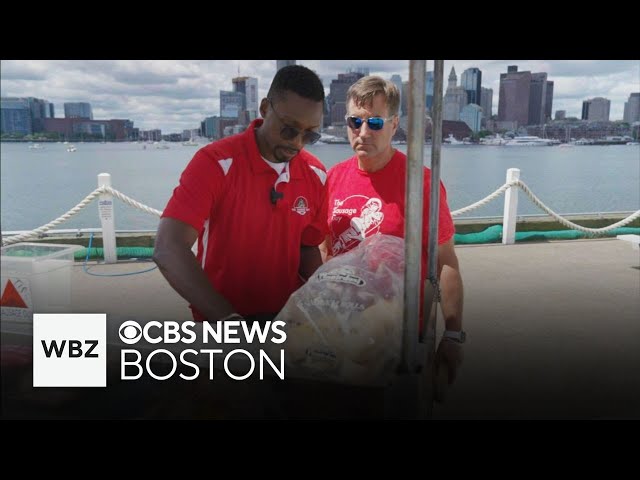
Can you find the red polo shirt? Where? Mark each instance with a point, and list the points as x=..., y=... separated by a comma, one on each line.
x=248, y=246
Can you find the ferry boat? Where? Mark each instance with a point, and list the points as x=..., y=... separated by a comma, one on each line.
x=527, y=141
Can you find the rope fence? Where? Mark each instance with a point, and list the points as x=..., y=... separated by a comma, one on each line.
x=106, y=189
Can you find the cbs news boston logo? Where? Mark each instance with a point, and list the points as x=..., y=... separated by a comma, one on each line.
x=69, y=350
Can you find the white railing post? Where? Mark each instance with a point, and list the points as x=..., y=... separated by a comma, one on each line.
x=510, y=208
x=105, y=209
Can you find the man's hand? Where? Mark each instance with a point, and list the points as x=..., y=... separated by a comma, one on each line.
x=449, y=357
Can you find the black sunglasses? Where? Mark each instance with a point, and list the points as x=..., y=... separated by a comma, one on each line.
x=374, y=123
x=289, y=133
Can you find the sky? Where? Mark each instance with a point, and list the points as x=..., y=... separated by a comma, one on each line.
x=176, y=95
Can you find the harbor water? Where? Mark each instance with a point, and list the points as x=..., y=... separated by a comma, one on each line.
x=38, y=185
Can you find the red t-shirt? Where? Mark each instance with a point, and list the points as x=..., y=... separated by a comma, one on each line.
x=248, y=246
x=362, y=204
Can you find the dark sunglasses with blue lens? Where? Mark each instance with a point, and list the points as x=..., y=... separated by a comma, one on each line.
x=374, y=123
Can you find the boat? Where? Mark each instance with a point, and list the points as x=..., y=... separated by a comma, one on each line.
x=583, y=141
x=451, y=140
x=527, y=141
x=36, y=146
x=71, y=148
x=496, y=140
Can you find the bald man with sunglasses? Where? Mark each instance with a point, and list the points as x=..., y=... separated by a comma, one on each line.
x=256, y=203
x=376, y=175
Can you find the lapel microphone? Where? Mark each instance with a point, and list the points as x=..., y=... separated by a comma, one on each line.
x=275, y=195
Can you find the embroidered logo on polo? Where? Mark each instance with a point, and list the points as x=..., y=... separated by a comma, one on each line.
x=301, y=206
x=354, y=219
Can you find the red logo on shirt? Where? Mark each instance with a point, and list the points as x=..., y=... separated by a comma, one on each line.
x=354, y=218
x=300, y=206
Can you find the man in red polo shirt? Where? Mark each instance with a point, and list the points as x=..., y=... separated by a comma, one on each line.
x=366, y=196
x=256, y=203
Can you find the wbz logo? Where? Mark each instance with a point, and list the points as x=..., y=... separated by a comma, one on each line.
x=69, y=350
x=75, y=348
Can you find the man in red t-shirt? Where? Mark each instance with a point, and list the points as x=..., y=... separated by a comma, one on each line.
x=256, y=202
x=366, y=196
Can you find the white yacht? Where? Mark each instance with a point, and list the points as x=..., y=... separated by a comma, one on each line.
x=496, y=140
x=451, y=140
x=527, y=141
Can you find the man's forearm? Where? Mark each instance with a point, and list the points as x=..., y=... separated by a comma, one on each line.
x=310, y=261
x=184, y=274
x=452, y=293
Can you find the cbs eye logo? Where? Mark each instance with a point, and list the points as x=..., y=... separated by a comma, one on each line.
x=130, y=332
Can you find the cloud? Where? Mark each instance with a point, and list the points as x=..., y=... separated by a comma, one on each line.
x=175, y=95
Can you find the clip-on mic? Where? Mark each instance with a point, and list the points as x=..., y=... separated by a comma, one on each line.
x=275, y=195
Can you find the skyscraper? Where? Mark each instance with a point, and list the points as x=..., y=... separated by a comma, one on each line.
x=596, y=109
x=16, y=115
x=78, y=110
x=471, y=114
x=523, y=97
x=455, y=99
x=231, y=103
x=632, y=108
x=537, y=98
x=397, y=81
x=404, y=105
x=429, y=89
x=548, y=106
x=247, y=86
x=471, y=81
x=486, y=102
x=338, y=95
x=513, y=100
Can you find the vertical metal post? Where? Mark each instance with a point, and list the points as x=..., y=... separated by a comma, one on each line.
x=431, y=287
x=510, y=215
x=402, y=397
x=413, y=213
x=436, y=146
x=105, y=209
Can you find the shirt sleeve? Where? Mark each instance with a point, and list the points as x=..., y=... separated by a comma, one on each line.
x=315, y=233
x=199, y=188
x=446, y=228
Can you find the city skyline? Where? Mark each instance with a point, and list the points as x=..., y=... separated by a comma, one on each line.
x=177, y=95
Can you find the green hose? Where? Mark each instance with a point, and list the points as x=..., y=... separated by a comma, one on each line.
x=122, y=252
x=492, y=234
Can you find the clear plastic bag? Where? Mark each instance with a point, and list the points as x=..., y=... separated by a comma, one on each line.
x=345, y=324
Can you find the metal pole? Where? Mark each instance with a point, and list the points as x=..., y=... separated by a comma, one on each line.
x=431, y=288
x=402, y=397
x=413, y=214
x=436, y=146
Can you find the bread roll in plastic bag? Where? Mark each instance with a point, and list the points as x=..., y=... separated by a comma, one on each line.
x=345, y=324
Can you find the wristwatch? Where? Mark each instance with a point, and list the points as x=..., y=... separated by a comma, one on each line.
x=456, y=336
